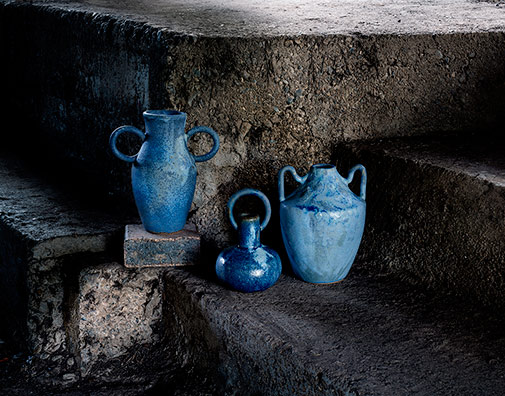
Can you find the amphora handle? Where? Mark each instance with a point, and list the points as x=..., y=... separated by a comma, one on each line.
x=361, y=168
x=213, y=135
x=280, y=178
x=113, y=140
x=256, y=193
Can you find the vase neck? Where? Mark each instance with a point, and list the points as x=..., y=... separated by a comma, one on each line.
x=164, y=125
x=249, y=231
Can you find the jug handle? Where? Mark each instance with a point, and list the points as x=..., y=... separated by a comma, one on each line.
x=213, y=135
x=256, y=193
x=113, y=139
x=361, y=168
x=299, y=179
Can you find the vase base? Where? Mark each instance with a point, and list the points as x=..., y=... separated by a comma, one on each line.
x=325, y=283
x=187, y=227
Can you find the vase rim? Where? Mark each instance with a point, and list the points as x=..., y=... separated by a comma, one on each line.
x=323, y=166
x=249, y=217
x=164, y=113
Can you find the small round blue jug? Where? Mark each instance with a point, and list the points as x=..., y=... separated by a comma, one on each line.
x=163, y=171
x=249, y=266
x=322, y=222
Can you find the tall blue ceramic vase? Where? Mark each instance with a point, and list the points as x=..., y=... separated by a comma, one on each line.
x=163, y=171
x=250, y=266
x=322, y=222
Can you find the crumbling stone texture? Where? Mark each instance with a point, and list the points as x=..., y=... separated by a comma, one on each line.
x=120, y=322
x=46, y=328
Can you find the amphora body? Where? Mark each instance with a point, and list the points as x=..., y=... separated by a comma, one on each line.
x=322, y=222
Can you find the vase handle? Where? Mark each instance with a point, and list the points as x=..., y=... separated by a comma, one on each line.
x=213, y=135
x=280, y=178
x=256, y=193
x=362, y=193
x=113, y=139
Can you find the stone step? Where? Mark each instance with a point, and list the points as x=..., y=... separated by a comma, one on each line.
x=41, y=227
x=72, y=313
x=46, y=236
x=282, y=84
x=366, y=335
x=436, y=212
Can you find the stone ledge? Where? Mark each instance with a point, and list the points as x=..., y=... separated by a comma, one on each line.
x=363, y=336
x=53, y=221
x=118, y=325
x=436, y=212
x=246, y=18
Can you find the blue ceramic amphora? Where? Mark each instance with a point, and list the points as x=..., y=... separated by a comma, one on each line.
x=322, y=222
x=163, y=172
x=250, y=266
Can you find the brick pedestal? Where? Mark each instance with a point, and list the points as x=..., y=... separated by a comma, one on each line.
x=144, y=249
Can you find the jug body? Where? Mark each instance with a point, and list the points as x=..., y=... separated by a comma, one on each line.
x=249, y=266
x=322, y=223
x=163, y=172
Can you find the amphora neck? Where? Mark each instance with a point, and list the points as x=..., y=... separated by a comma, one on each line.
x=324, y=173
x=164, y=124
x=249, y=231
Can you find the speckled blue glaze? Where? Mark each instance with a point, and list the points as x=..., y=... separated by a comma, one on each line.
x=322, y=222
x=249, y=266
x=163, y=171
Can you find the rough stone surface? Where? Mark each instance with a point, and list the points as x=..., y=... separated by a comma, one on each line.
x=285, y=98
x=144, y=249
x=78, y=322
x=275, y=97
x=44, y=234
x=119, y=324
x=436, y=213
x=363, y=336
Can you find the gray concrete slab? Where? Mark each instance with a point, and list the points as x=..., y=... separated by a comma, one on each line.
x=436, y=212
x=245, y=18
x=362, y=336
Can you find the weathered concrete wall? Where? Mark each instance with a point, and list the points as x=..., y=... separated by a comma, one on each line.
x=292, y=101
x=273, y=100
